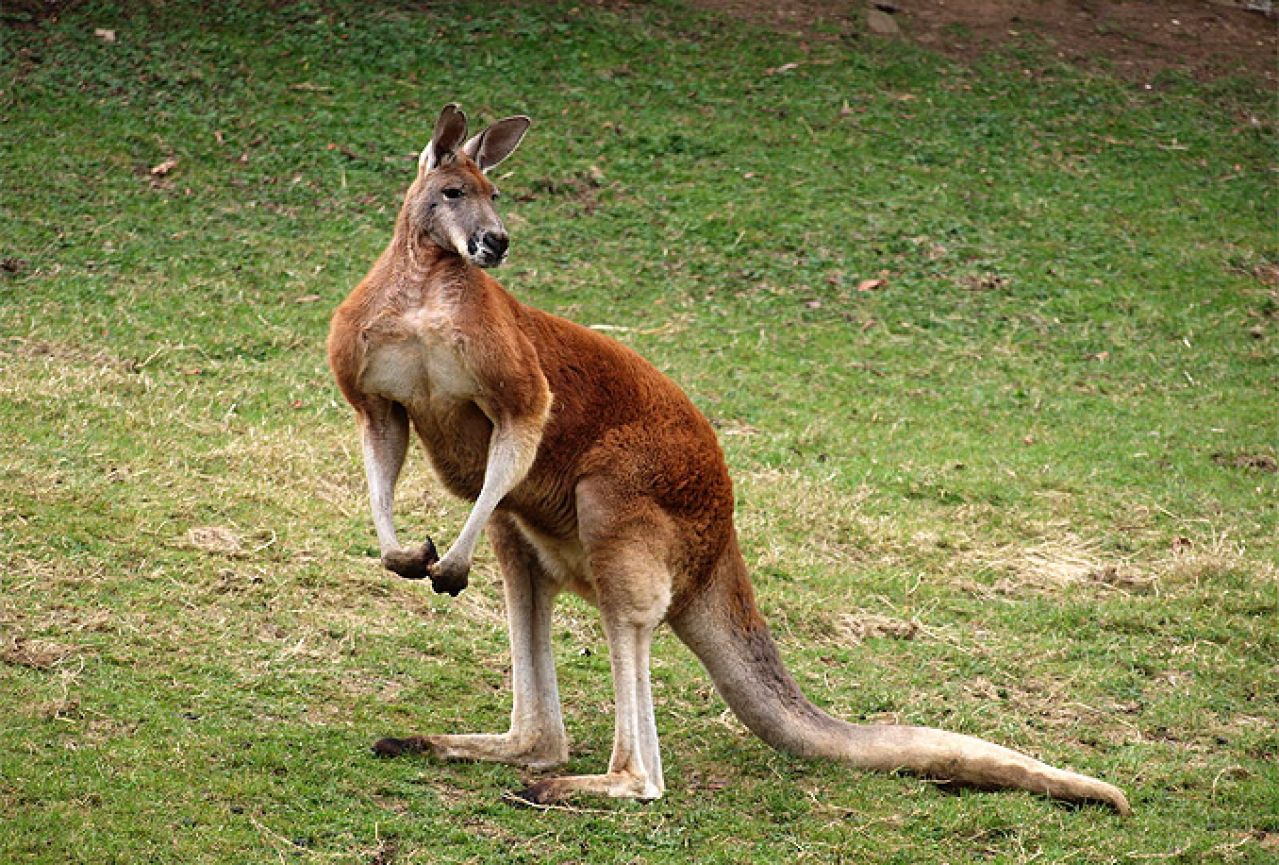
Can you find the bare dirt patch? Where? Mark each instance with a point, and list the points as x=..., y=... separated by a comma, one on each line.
x=1138, y=39
x=35, y=654
x=1261, y=462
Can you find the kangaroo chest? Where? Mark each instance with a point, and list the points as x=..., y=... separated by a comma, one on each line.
x=414, y=358
x=418, y=362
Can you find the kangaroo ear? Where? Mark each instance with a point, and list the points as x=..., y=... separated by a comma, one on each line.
x=450, y=129
x=497, y=142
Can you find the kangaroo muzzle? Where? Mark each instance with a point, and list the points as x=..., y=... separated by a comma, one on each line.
x=488, y=248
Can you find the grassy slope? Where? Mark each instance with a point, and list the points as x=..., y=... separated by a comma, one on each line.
x=1027, y=451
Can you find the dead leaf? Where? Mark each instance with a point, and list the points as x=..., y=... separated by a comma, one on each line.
x=813, y=304
x=1267, y=273
x=307, y=298
x=164, y=167
x=882, y=23
x=107, y=36
x=871, y=284
x=735, y=427
x=778, y=70
x=1181, y=545
x=344, y=150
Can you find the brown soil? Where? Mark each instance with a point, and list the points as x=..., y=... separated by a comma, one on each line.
x=1137, y=39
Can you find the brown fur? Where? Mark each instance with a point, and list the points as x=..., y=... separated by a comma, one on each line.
x=611, y=484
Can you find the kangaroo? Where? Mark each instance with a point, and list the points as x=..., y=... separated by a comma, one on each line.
x=591, y=472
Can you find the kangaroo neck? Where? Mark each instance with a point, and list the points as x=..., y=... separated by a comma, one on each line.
x=415, y=252
x=415, y=264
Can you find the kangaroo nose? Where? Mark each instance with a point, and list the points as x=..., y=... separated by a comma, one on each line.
x=496, y=242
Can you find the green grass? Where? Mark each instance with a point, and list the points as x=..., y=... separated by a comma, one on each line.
x=1024, y=489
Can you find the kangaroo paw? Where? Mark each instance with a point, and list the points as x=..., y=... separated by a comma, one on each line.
x=533, y=796
x=448, y=577
x=390, y=747
x=412, y=563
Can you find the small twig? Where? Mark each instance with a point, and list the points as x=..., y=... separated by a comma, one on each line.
x=1220, y=775
x=1173, y=855
x=272, y=834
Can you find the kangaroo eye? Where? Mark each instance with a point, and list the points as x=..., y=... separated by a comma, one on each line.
x=496, y=195
x=453, y=193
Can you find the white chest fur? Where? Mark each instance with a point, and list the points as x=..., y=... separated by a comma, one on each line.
x=419, y=359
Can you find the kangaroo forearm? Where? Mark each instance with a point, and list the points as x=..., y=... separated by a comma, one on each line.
x=384, y=435
x=511, y=454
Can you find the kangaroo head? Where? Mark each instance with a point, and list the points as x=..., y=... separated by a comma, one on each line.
x=451, y=200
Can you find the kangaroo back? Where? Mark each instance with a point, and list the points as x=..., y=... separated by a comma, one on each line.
x=723, y=627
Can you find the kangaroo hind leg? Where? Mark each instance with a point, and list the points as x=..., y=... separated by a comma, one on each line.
x=633, y=591
x=537, y=738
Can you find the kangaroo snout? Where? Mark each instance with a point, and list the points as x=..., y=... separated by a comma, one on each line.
x=488, y=248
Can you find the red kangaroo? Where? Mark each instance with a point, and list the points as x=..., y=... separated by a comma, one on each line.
x=592, y=472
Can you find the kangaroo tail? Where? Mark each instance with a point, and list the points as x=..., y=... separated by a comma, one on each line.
x=724, y=629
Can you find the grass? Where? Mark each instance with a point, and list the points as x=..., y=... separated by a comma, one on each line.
x=1024, y=489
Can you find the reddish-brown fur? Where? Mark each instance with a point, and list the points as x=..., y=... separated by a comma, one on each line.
x=618, y=490
x=613, y=414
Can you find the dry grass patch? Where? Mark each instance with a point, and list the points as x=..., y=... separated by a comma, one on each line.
x=65, y=354
x=795, y=524
x=216, y=540
x=858, y=626
x=1069, y=561
x=1053, y=564
x=1054, y=704
x=49, y=370
x=1190, y=563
